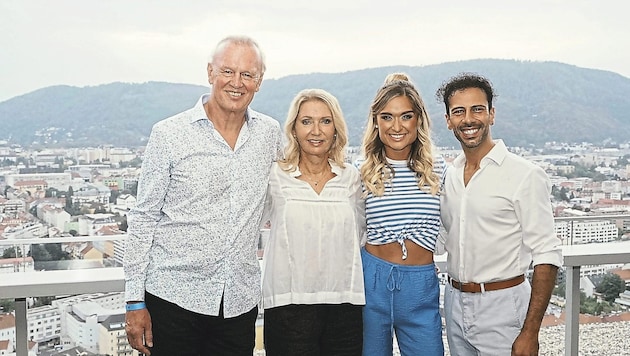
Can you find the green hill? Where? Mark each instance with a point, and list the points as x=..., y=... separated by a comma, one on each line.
x=537, y=102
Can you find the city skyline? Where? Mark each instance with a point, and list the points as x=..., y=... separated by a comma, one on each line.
x=85, y=43
x=106, y=247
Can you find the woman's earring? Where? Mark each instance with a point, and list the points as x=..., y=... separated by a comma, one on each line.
x=376, y=126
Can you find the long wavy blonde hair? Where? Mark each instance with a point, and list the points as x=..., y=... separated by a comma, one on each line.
x=337, y=152
x=376, y=172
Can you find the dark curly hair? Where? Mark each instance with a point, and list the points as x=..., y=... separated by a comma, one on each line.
x=464, y=81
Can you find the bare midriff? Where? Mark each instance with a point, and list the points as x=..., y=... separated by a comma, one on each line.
x=392, y=252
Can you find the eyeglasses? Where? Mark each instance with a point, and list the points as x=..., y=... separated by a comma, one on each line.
x=245, y=76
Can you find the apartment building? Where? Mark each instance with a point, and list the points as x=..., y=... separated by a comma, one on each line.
x=586, y=231
x=44, y=324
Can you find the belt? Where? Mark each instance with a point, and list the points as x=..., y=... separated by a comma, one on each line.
x=486, y=287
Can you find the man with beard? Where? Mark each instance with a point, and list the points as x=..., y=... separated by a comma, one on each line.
x=498, y=220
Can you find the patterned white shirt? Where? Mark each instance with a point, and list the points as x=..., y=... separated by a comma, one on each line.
x=193, y=234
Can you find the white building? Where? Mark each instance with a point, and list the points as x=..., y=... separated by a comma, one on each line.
x=27, y=231
x=126, y=201
x=59, y=181
x=7, y=327
x=113, y=338
x=54, y=216
x=81, y=316
x=624, y=298
x=44, y=323
x=91, y=193
x=121, y=154
x=89, y=224
x=12, y=206
x=88, y=167
x=82, y=325
x=119, y=251
x=20, y=264
x=587, y=231
x=596, y=270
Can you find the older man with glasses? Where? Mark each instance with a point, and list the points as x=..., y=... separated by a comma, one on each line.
x=191, y=270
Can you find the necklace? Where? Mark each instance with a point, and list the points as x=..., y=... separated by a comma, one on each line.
x=315, y=179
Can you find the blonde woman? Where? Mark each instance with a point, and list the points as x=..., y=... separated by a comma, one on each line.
x=312, y=279
x=401, y=179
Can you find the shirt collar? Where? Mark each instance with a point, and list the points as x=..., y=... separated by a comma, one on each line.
x=497, y=155
x=333, y=167
x=198, y=112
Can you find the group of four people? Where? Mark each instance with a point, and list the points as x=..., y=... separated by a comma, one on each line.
x=349, y=263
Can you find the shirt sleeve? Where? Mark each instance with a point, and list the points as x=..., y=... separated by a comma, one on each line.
x=359, y=203
x=533, y=209
x=267, y=209
x=279, y=143
x=440, y=243
x=144, y=217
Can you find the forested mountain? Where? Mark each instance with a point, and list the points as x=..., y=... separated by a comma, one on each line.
x=537, y=102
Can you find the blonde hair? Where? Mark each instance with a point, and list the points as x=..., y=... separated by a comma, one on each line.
x=337, y=151
x=376, y=172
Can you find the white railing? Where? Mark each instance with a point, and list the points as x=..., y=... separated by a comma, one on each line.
x=576, y=256
x=22, y=285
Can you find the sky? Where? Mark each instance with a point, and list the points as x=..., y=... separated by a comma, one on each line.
x=93, y=42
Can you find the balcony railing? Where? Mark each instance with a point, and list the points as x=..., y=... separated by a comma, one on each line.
x=23, y=285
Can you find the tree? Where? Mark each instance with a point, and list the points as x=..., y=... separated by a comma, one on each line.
x=69, y=208
x=7, y=305
x=51, y=193
x=114, y=195
x=559, y=193
x=610, y=287
x=40, y=254
x=122, y=225
x=560, y=290
x=56, y=252
x=47, y=254
x=11, y=252
x=40, y=301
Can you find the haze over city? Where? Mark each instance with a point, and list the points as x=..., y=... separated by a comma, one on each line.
x=89, y=42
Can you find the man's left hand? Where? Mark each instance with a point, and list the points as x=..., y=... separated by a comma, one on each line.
x=525, y=345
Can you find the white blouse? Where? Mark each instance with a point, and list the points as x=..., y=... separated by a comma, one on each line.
x=313, y=253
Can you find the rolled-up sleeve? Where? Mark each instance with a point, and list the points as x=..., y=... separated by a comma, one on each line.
x=533, y=208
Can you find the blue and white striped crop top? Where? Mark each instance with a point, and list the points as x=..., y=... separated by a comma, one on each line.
x=404, y=212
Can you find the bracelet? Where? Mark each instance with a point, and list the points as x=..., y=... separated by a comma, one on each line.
x=135, y=306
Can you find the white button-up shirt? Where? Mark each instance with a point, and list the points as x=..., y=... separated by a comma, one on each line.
x=501, y=221
x=193, y=234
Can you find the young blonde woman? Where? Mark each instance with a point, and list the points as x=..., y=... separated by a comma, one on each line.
x=401, y=179
x=312, y=281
